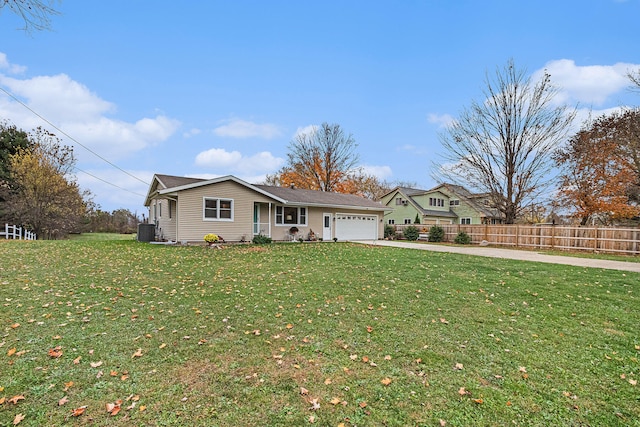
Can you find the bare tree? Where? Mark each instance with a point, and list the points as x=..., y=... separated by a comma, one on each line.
x=503, y=145
x=634, y=77
x=320, y=160
x=34, y=13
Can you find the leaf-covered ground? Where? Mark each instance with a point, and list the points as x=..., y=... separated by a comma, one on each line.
x=124, y=333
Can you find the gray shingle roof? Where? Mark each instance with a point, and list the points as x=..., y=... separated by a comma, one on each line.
x=290, y=195
x=314, y=197
x=170, y=181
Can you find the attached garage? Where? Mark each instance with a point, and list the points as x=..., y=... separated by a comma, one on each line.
x=356, y=227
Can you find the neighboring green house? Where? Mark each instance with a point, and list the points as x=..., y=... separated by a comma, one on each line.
x=443, y=204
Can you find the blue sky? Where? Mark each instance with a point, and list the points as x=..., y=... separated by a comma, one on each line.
x=221, y=87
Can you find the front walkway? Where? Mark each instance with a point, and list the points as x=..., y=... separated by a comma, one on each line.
x=520, y=255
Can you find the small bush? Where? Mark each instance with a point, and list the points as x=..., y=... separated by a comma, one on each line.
x=463, y=238
x=261, y=239
x=411, y=233
x=436, y=234
x=389, y=231
x=417, y=219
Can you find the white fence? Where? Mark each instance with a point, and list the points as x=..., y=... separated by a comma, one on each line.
x=17, y=233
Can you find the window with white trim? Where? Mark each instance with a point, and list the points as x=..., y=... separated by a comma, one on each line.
x=465, y=221
x=454, y=202
x=214, y=209
x=407, y=221
x=391, y=221
x=291, y=215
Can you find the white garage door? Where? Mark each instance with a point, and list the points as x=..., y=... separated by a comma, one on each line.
x=356, y=227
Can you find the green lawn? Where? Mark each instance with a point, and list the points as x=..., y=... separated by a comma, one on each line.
x=297, y=334
x=101, y=236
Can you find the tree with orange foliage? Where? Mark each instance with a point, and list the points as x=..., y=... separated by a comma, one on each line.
x=325, y=159
x=601, y=169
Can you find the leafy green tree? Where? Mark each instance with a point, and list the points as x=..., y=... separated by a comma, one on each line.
x=12, y=139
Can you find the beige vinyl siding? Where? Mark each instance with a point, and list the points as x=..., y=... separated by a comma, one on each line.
x=165, y=224
x=192, y=226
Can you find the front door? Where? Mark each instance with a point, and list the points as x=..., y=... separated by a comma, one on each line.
x=326, y=226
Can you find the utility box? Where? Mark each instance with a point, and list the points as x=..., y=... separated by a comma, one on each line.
x=146, y=232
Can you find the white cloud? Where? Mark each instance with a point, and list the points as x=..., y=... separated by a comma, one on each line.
x=58, y=98
x=79, y=113
x=236, y=162
x=218, y=158
x=442, y=120
x=591, y=84
x=192, y=132
x=380, y=172
x=11, y=68
x=306, y=130
x=237, y=128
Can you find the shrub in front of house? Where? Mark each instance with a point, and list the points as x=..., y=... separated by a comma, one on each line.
x=462, y=238
x=261, y=239
x=389, y=231
x=411, y=233
x=436, y=234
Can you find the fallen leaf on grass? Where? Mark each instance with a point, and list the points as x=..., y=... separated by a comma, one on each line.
x=2, y=400
x=55, y=352
x=443, y=423
x=17, y=419
x=304, y=391
x=362, y=405
x=16, y=399
x=443, y=320
x=386, y=381
x=68, y=385
x=138, y=353
x=478, y=401
x=63, y=401
x=335, y=401
x=114, y=408
x=633, y=382
x=95, y=364
x=15, y=325
x=78, y=411
x=76, y=361
x=463, y=391
x=458, y=367
x=315, y=405
x=11, y=351
x=369, y=329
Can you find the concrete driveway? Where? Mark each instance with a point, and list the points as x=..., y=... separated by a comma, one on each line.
x=521, y=255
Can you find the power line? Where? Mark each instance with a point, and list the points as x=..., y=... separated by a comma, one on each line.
x=107, y=182
x=12, y=96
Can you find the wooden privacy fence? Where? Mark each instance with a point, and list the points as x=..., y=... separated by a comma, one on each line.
x=547, y=236
x=17, y=233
